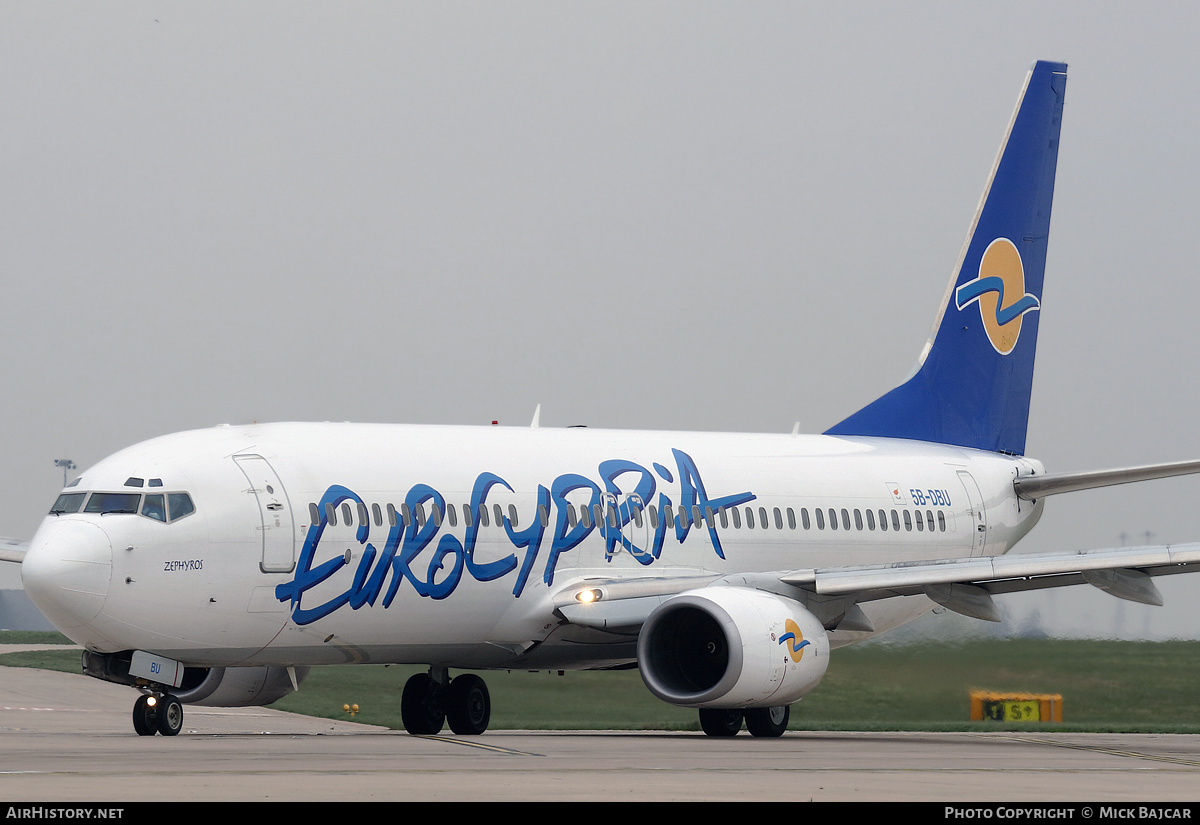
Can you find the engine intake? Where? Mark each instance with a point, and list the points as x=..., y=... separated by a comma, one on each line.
x=731, y=647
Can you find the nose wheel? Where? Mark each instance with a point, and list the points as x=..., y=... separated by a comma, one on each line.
x=157, y=713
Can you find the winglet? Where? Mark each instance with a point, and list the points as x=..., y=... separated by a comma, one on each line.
x=973, y=380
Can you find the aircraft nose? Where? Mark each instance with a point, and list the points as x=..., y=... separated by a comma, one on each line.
x=66, y=571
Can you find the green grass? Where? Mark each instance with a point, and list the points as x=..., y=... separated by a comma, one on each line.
x=1106, y=686
x=67, y=661
x=1127, y=686
x=33, y=637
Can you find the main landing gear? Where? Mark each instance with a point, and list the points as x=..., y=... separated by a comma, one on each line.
x=157, y=713
x=759, y=721
x=431, y=700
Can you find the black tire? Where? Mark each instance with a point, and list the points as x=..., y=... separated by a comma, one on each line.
x=768, y=721
x=421, y=706
x=721, y=721
x=170, y=715
x=468, y=705
x=145, y=716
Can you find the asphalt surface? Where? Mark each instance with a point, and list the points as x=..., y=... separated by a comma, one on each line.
x=68, y=738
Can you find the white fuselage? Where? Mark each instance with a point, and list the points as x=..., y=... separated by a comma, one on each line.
x=336, y=543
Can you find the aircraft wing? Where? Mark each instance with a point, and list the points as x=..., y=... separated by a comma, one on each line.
x=13, y=550
x=964, y=585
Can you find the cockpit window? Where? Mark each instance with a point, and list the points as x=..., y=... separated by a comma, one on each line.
x=181, y=505
x=112, y=503
x=154, y=507
x=68, y=503
x=161, y=507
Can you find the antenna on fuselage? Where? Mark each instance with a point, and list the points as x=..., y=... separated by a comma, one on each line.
x=537, y=416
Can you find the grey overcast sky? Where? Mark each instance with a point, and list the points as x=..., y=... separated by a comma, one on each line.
x=660, y=215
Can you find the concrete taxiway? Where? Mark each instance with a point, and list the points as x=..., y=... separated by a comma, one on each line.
x=68, y=738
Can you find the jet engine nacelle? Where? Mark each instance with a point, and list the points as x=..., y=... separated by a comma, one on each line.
x=236, y=687
x=731, y=647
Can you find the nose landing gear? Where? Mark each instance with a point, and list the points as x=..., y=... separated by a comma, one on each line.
x=157, y=713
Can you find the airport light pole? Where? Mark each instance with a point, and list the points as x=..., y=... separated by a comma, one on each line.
x=66, y=464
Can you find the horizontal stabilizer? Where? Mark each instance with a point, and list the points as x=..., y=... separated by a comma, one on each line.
x=1031, y=488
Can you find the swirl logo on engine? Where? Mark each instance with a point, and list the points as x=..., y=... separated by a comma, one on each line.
x=795, y=640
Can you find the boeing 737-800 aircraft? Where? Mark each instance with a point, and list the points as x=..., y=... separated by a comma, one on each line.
x=214, y=567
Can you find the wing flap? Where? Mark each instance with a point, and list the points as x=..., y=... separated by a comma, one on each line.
x=842, y=580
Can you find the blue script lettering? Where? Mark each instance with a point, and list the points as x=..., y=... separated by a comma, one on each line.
x=627, y=488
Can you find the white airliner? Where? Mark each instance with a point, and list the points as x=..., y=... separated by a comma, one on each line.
x=214, y=567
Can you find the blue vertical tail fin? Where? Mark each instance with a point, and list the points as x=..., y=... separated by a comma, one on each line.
x=973, y=380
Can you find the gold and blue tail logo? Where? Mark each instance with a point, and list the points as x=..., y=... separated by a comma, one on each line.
x=974, y=378
x=1000, y=293
x=794, y=640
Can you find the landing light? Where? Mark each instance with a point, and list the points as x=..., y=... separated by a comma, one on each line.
x=151, y=701
x=587, y=596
